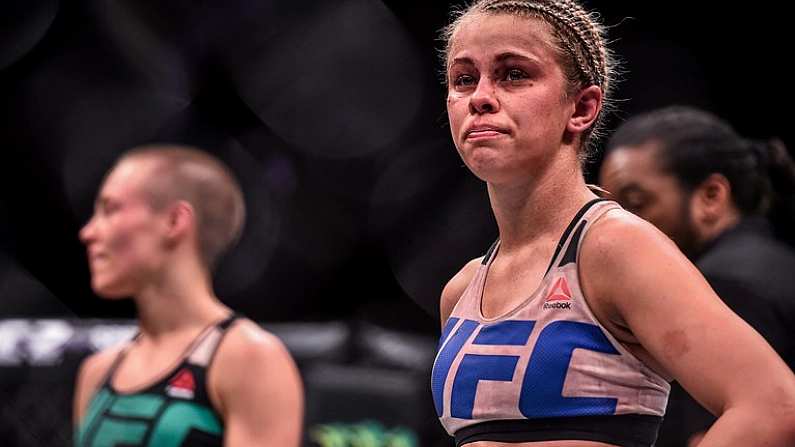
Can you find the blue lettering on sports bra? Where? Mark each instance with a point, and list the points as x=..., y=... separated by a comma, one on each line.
x=446, y=356
x=542, y=384
x=509, y=332
x=543, y=380
x=473, y=369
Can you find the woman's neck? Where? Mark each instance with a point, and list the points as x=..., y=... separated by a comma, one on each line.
x=541, y=206
x=177, y=303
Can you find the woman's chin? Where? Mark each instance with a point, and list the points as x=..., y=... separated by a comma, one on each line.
x=492, y=173
x=110, y=291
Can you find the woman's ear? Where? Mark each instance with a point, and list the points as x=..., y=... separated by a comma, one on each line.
x=587, y=105
x=181, y=221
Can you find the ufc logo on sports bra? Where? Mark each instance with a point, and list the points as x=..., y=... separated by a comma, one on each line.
x=542, y=384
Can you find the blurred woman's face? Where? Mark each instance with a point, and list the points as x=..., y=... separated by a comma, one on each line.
x=125, y=236
x=506, y=98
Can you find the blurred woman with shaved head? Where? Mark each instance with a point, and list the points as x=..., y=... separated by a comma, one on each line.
x=196, y=373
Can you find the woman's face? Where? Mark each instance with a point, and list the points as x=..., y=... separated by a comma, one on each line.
x=125, y=236
x=506, y=98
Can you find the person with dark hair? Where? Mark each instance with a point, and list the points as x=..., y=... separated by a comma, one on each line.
x=567, y=331
x=196, y=373
x=722, y=198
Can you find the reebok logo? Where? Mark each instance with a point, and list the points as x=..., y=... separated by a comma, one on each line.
x=182, y=385
x=559, y=296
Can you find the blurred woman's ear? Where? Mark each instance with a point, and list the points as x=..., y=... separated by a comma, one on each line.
x=181, y=221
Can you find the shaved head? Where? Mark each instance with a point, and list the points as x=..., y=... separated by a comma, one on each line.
x=205, y=182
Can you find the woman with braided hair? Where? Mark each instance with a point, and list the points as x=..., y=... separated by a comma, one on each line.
x=570, y=327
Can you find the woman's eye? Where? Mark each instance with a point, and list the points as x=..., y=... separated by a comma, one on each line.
x=464, y=80
x=109, y=208
x=515, y=74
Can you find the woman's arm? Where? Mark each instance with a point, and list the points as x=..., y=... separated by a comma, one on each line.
x=258, y=389
x=641, y=281
x=89, y=377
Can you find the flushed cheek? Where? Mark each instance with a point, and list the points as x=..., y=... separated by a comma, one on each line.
x=122, y=254
x=120, y=270
x=454, y=116
x=107, y=269
x=122, y=244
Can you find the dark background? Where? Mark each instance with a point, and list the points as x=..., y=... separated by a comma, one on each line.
x=331, y=113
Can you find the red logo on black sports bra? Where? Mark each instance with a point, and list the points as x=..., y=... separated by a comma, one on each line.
x=182, y=385
x=560, y=295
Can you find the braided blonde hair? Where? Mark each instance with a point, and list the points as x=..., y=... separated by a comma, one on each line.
x=580, y=38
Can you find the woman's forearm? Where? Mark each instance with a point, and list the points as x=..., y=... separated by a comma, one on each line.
x=771, y=426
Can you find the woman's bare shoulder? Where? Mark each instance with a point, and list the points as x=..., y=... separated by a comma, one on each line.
x=455, y=287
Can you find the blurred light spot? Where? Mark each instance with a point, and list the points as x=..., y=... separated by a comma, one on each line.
x=280, y=174
x=249, y=259
x=95, y=129
x=150, y=46
x=23, y=24
x=103, y=335
x=344, y=81
x=405, y=176
x=47, y=347
x=12, y=332
x=434, y=216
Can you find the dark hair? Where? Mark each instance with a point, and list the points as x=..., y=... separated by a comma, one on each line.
x=581, y=46
x=692, y=144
